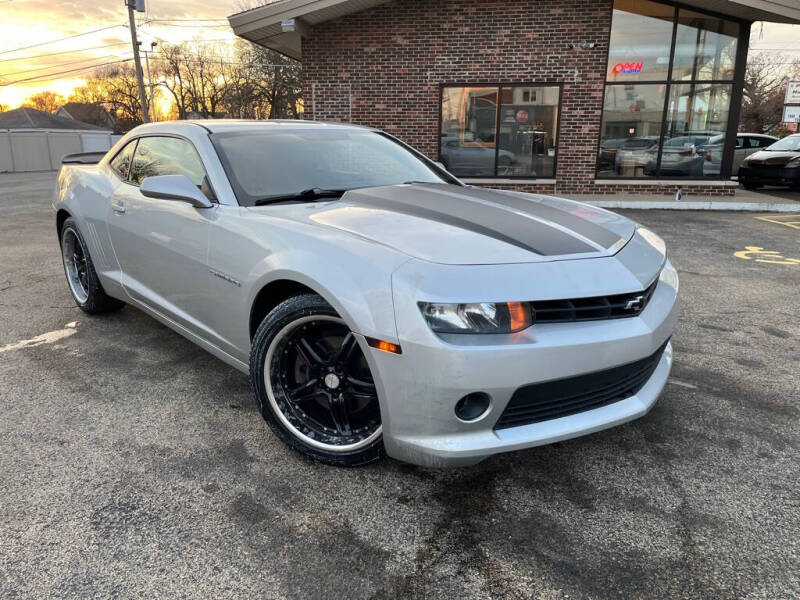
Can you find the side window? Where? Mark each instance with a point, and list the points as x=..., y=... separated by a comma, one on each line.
x=742, y=142
x=121, y=163
x=166, y=156
x=761, y=142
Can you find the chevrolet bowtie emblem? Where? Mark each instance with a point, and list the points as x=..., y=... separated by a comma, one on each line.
x=635, y=303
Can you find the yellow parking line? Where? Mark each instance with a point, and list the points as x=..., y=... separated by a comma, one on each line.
x=792, y=221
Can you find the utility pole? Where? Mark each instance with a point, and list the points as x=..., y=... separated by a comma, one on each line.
x=149, y=78
x=139, y=6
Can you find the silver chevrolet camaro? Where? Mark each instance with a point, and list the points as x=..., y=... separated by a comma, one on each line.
x=377, y=303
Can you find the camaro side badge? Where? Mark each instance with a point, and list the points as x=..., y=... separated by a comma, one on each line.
x=635, y=303
x=225, y=277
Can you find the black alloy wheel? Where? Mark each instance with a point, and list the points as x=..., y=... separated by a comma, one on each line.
x=314, y=385
x=84, y=284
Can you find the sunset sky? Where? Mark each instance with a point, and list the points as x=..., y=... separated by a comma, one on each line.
x=44, y=22
x=29, y=22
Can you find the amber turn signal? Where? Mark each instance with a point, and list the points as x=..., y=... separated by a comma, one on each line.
x=519, y=314
x=384, y=345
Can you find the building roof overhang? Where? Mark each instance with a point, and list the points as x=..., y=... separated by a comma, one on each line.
x=281, y=24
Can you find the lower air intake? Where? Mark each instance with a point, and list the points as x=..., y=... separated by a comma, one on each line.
x=563, y=397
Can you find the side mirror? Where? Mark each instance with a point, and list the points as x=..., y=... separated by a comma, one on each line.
x=174, y=187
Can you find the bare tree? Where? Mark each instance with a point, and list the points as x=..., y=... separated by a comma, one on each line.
x=47, y=101
x=252, y=82
x=764, y=91
x=170, y=68
x=117, y=89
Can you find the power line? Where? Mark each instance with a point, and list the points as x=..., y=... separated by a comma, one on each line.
x=162, y=24
x=66, y=64
x=36, y=56
x=53, y=76
x=183, y=20
x=69, y=37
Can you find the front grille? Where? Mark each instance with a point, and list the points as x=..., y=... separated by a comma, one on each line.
x=555, y=399
x=592, y=309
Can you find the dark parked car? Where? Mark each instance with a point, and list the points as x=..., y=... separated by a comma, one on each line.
x=778, y=164
x=608, y=153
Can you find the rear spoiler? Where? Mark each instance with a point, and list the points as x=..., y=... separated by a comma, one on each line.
x=83, y=158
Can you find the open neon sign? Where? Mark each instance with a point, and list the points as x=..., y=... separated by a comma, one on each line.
x=628, y=68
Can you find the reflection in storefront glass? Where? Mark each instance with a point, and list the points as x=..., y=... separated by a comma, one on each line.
x=641, y=35
x=696, y=123
x=632, y=119
x=499, y=131
x=527, y=131
x=642, y=136
x=705, y=47
x=469, y=123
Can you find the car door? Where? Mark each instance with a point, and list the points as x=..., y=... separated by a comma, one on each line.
x=96, y=232
x=162, y=245
x=745, y=146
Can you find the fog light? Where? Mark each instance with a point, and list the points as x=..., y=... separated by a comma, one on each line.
x=473, y=406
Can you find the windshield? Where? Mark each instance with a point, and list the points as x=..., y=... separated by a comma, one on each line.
x=272, y=164
x=787, y=144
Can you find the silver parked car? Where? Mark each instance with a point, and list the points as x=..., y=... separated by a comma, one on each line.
x=474, y=159
x=377, y=304
x=746, y=144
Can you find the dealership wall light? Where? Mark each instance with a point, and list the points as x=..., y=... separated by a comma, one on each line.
x=582, y=45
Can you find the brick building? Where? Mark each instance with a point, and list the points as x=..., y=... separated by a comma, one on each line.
x=557, y=96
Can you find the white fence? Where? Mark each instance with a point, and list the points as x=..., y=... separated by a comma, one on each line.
x=24, y=150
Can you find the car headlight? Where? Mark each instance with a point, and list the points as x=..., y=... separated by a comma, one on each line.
x=794, y=163
x=477, y=317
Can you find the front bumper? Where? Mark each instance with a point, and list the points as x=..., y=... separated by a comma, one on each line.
x=769, y=175
x=420, y=388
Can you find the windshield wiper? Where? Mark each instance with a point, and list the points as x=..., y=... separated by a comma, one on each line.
x=309, y=194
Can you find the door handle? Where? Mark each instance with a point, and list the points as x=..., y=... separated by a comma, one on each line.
x=118, y=208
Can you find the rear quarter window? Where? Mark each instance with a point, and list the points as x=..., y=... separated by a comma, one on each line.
x=121, y=163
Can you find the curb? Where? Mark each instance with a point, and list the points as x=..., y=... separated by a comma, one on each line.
x=698, y=205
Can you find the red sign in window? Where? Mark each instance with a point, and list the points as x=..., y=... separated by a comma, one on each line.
x=628, y=68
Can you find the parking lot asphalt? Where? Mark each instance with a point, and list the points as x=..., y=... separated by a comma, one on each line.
x=133, y=464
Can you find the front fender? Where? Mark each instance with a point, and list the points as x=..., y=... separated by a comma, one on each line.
x=352, y=274
x=361, y=296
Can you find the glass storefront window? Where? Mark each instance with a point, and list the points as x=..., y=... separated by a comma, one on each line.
x=503, y=131
x=705, y=47
x=469, y=124
x=631, y=130
x=641, y=36
x=527, y=131
x=696, y=123
x=660, y=121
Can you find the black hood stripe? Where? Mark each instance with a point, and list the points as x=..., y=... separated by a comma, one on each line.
x=492, y=215
x=597, y=234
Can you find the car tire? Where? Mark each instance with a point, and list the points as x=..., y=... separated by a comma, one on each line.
x=750, y=186
x=82, y=279
x=313, y=384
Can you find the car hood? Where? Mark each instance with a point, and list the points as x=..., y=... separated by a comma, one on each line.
x=771, y=159
x=452, y=224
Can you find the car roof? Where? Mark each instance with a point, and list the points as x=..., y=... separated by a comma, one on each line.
x=761, y=135
x=226, y=125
